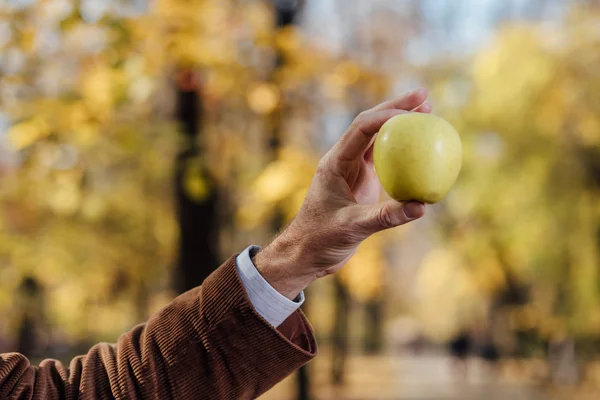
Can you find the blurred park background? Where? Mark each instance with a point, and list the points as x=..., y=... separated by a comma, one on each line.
x=143, y=142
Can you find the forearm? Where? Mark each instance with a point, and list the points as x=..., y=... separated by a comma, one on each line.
x=208, y=343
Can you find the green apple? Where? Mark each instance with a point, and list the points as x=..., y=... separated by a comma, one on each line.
x=417, y=157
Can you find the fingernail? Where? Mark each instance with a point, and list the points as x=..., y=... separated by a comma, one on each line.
x=424, y=108
x=413, y=209
x=421, y=91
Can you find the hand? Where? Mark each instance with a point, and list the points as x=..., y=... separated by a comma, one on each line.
x=341, y=207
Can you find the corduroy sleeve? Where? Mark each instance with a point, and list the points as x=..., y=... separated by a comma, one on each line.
x=209, y=343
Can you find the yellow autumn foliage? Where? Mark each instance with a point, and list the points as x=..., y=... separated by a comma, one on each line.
x=93, y=143
x=448, y=295
x=364, y=273
x=529, y=181
x=26, y=133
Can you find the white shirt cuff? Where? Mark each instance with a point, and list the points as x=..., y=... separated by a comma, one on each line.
x=268, y=302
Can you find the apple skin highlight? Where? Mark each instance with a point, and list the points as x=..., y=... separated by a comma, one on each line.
x=417, y=157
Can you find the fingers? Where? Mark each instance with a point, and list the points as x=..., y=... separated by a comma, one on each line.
x=358, y=137
x=374, y=218
x=408, y=101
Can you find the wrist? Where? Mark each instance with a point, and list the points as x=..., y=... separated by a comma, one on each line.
x=282, y=263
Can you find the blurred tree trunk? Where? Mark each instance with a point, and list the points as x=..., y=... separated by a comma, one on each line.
x=30, y=304
x=373, y=339
x=340, y=331
x=197, y=215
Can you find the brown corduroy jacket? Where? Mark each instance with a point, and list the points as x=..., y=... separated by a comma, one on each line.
x=209, y=343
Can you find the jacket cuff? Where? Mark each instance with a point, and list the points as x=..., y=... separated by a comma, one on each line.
x=227, y=307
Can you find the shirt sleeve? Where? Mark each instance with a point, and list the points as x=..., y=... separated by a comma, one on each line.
x=268, y=302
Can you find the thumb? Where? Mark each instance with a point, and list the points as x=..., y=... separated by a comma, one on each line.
x=388, y=214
